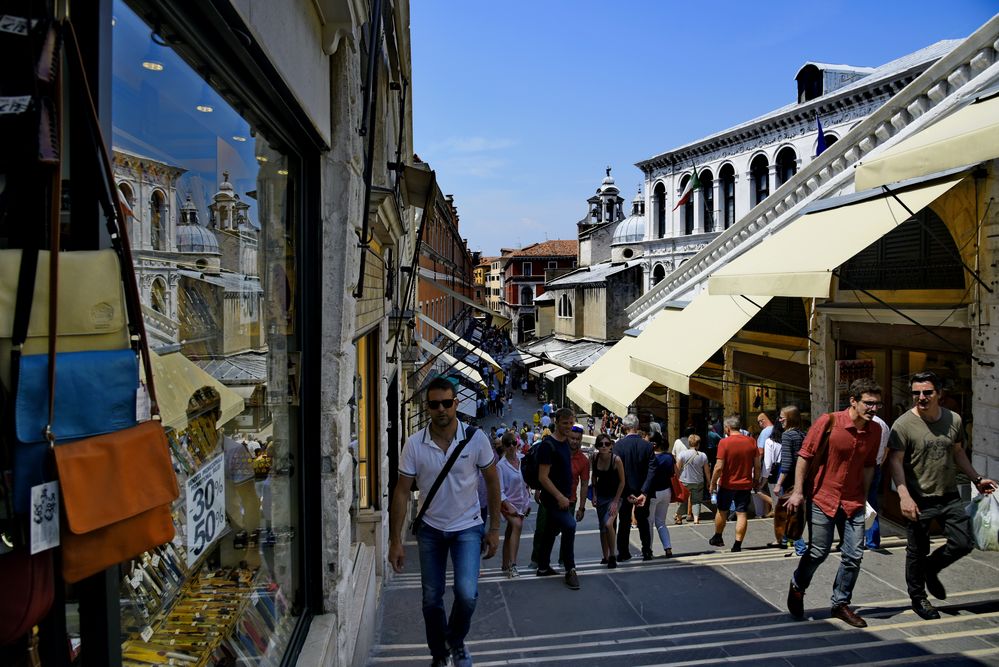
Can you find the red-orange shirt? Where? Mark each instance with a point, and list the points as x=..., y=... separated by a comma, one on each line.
x=738, y=452
x=580, y=470
x=839, y=482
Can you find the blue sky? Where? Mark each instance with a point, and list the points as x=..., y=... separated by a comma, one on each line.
x=520, y=105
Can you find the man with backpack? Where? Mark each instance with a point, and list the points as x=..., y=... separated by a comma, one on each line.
x=444, y=460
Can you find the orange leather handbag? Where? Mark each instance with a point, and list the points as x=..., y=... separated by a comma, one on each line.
x=117, y=488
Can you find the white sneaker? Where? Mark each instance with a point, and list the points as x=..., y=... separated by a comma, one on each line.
x=513, y=573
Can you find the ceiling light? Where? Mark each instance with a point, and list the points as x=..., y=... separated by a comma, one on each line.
x=236, y=137
x=261, y=158
x=283, y=172
x=204, y=108
x=152, y=65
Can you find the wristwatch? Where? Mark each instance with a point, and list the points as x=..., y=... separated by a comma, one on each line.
x=978, y=480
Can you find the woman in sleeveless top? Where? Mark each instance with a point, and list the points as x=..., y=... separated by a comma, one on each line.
x=607, y=473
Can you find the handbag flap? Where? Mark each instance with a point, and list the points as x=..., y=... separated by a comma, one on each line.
x=113, y=477
x=91, y=296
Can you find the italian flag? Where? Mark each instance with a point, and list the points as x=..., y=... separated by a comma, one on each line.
x=688, y=191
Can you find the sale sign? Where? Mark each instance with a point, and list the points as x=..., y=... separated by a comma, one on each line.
x=206, y=518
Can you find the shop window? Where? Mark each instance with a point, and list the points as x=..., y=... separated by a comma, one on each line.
x=918, y=254
x=784, y=316
x=228, y=378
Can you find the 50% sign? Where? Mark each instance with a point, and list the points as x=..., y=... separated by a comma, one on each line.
x=205, y=507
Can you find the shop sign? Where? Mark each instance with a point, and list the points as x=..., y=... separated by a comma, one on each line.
x=205, y=508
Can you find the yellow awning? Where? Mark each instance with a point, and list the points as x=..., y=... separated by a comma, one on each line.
x=538, y=371
x=613, y=385
x=498, y=320
x=967, y=136
x=177, y=378
x=458, y=367
x=470, y=347
x=556, y=373
x=671, y=349
x=799, y=259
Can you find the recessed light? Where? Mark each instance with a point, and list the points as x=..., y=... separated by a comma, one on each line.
x=152, y=65
x=283, y=172
x=238, y=138
x=204, y=108
x=261, y=158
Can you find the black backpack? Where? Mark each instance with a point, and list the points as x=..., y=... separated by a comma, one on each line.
x=529, y=466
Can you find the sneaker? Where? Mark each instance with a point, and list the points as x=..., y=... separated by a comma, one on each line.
x=441, y=662
x=460, y=657
x=571, y=580
x=925, y=610
x=934, y=586
x=603, y=561
x=623, y=558
x=847, y=615
x=611, y=563
x=513, y=572
x=647, y=556
x=545, y=572
x=532, y=565
x=736, y=548
x=796, y=601
x=716, y=541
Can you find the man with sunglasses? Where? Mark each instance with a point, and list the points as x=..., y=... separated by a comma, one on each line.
x=925, y=454
x=839, y=489
x=452, y=522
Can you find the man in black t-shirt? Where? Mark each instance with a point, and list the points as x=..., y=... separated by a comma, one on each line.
x=555, y=476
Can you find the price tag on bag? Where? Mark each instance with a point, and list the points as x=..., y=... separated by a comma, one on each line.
x=205, y=507
x=44, y=517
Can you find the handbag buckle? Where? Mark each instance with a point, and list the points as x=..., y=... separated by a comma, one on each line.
x=50, y=435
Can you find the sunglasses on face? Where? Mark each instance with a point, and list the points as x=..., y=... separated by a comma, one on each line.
x=916, y=393
x=603, y=444
x=446, y=404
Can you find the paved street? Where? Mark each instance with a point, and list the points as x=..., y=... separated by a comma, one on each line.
x=704, y=606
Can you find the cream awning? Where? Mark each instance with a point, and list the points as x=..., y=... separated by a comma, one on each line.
x=671, y=349
x=458, y=367
x=469, y=347
x=967, y=136
x=538, y=371
x=799, y=259
x=177, y=378
x=612, y=384
x=578, y=391
x=498, y=320
x=556, y=373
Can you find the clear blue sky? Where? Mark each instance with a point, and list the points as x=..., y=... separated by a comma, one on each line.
x=519, y=105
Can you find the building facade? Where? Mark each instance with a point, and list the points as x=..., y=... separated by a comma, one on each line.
x=524, y=279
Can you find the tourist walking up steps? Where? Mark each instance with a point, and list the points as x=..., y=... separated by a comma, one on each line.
x=607, y=473
x=450, y=521
x=555, y=477
x=639, y=467
x=836, y=462
x=925, y=453
x=515, y=500
x=660, y=491
x=694, y=474
x=735, y=478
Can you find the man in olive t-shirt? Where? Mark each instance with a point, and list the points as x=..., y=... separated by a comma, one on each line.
x=925, y=454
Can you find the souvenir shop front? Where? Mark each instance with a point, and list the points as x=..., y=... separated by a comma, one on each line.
x=207, y=153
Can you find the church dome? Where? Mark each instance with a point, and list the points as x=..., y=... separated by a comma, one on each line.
x=197, y=239
x=630, y=230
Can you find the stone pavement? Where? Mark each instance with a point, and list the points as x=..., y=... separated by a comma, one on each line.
x=704, y=606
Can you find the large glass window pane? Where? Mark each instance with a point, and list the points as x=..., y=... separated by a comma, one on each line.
x=214, y=246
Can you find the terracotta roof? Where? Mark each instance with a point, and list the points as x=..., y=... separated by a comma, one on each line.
x=486, y=261
x=554, y=248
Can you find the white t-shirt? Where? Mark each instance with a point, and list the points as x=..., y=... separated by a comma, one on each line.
x=512, y=485
x=456, y=504
x=679, y=447
x=885, y=432
x=693, y=466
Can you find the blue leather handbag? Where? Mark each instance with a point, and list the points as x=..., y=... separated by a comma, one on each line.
x=95, y=394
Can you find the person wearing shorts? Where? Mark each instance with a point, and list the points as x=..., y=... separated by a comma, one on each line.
x=694, y=472
x=607, y=473
x=736, y=476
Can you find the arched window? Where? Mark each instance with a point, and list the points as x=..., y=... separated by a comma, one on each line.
x=157, y=221
x=158, y=297
x=658, y=273
x=727, y=176
x=659, y=196
x=688, y=209
x=564, y=306
x=708, y=200
x=127, y=196
x=526, y=296
x=830, y=140
x=759, y=174
x=787, y=165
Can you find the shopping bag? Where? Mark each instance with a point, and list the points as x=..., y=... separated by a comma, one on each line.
x=984, y=513
x=870, y=514
x=680, y=492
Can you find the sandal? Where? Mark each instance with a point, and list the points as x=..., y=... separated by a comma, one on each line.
x=678, y=520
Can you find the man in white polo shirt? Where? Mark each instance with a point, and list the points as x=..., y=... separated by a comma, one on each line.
x=451, y=523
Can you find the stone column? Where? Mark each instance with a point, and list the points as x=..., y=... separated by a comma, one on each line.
x=730, y=389
x=717, y=205
x=744, y=195
x=821, y=363
x=985, y=343
x=772, y=177
x=672, y=415
x=698, y=211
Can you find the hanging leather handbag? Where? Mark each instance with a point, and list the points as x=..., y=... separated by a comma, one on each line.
x=117, y=488
x=788, y=524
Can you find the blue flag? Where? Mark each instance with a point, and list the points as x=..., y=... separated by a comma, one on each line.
x=821, y=143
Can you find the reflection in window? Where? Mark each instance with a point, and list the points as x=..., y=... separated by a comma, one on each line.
x=157, y=217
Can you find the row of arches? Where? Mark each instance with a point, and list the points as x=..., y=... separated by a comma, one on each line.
x=784, y=168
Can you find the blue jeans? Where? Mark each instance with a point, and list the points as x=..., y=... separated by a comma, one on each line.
x=559, y=522
x=465, y=547
x=873, y=536
x=822, y=529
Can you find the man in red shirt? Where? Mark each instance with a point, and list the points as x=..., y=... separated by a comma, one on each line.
x=838, y=487
x=737, y=472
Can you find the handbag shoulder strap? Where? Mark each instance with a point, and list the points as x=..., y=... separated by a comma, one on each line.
x=469, y=433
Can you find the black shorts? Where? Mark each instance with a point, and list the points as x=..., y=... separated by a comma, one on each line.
x=742, y=499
